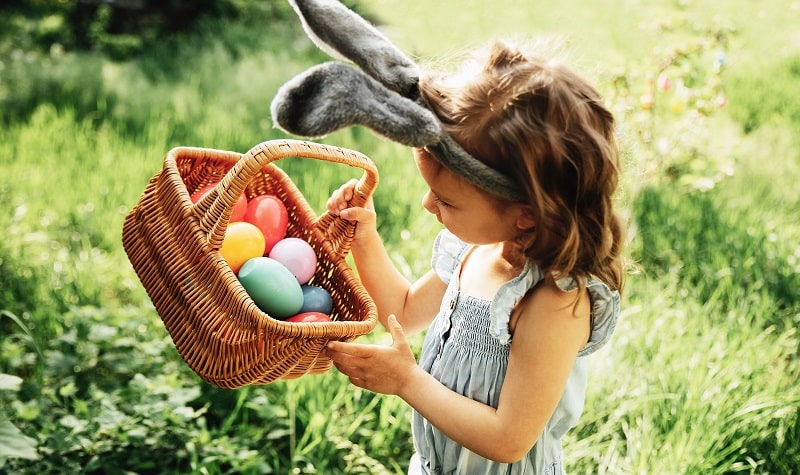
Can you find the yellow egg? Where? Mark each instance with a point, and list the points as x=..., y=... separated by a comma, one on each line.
x=242, y=241
x=677, y=105
x=646, y=101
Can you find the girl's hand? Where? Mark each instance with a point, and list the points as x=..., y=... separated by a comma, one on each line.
x=381, y=369
x=339, y=205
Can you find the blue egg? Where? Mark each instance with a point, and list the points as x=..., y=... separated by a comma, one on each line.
x=316, y=299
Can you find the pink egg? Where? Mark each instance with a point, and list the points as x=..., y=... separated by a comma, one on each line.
x=664, y=84
x=296, y=255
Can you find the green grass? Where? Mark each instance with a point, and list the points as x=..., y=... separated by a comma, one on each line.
x=700, y=377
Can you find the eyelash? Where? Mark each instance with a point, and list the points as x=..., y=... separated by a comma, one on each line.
x=439, y=202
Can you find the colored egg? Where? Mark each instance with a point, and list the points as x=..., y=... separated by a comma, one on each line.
x=677, y=104
x=664, y=83
x=242, y=241
x=297, y=255
x=239, y=209
x=316, y=299
x=309, y=317
x=269, y=214
x=272, y=287
x=646, y=101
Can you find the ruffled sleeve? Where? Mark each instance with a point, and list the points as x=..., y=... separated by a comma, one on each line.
x=604, y=314
x=507, y=298
x=447, y=253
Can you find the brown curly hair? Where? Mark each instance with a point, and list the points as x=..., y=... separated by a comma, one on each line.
x=537, y=120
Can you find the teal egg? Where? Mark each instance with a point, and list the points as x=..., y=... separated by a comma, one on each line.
x=272, y=287
x=316, y=299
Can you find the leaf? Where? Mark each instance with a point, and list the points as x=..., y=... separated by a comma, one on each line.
x=9, y=382
x=15, y=444
x=101, y=333
x=72, y=422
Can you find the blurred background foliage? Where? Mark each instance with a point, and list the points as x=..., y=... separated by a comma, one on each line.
x=700, y=377
x=121, y=29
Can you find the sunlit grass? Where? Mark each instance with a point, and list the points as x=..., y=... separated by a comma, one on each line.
x=700, y=377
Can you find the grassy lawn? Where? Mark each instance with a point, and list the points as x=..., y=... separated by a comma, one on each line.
x=700, y=378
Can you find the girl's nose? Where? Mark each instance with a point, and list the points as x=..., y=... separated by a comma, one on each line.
x=429, y=202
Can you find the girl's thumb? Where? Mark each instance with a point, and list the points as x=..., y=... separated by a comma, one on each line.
x=356, y=214
x=396, y=330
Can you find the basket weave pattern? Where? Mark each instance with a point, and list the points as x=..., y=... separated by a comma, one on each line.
x=173, y=245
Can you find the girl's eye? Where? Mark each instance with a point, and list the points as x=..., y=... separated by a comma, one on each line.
x=439, y=202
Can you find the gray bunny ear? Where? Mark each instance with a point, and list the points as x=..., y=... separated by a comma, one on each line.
x=384, y=97
x=343, y=33
x=331, y=96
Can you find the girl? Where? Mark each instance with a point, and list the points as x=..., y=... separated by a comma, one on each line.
x=520, y=292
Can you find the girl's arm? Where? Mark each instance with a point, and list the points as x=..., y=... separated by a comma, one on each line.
x=415, y=305
x=546, y=340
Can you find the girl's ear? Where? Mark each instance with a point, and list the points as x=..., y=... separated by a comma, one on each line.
x=526, y=219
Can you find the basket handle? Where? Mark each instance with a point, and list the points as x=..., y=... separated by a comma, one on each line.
x=337, y=231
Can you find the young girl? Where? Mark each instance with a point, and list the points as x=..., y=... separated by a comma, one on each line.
x=520, y=292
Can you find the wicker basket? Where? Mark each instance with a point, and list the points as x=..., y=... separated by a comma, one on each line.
x=174, y=245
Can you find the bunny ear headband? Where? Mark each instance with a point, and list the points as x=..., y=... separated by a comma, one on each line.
x=382, y=96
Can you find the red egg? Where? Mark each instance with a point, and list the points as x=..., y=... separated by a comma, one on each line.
x=239, y=209
x=309, y=317
x=269, y=214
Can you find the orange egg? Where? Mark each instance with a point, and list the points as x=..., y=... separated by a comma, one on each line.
x=242, y=241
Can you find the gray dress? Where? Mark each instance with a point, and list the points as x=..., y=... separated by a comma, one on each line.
x=466, y=349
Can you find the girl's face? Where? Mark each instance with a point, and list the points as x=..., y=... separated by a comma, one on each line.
x=466, y=211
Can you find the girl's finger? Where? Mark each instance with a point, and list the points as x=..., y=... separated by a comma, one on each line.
x=357, y=214
x=396, y=331
x=350, y=349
